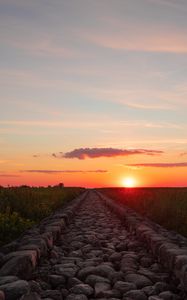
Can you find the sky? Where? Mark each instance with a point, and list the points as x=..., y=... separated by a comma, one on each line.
x=92, y=92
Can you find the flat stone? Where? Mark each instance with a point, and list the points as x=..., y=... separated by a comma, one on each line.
x=110, y=294
x=14, y=290
x=65, y=271
x=93, y=279
x=139, y=280
x=104, y=271
x=135, y=295
x=7, y=279
x=84, y=289
x=124, y=287
x=167, y=295
x=154, y=298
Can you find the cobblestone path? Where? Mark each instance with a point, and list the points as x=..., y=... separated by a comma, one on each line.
x=96, y=258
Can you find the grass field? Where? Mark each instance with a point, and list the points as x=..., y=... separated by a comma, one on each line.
x=22, y=207
x=166, y=206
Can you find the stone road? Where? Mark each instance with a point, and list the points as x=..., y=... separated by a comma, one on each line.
x=96, y=258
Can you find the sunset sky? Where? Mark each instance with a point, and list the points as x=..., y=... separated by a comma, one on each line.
x=93, y=91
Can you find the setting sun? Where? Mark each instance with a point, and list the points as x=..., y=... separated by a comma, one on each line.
x=129, y=182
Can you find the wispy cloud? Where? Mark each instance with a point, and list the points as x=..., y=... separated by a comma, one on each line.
x=158, y=165
x=170, y=3
x=64, y=171
x=83, y=153
x=140, y=39
x=9, y=175
x=183, y=154
x=3, y=161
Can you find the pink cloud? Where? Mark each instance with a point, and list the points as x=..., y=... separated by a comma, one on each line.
x=64, y=171
x=159, y=165
x=140, y=39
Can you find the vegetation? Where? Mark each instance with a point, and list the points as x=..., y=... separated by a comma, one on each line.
x=166, y=206
x=22, y=207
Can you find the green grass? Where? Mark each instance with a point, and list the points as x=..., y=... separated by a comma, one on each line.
x=22, y=207
x=166, y=206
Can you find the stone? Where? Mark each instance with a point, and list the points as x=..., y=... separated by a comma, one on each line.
x=154, y=298
x=2, y=295
x=100, y=287
x=31, y=296
x=121, y=246
x=86, y=271
x=116, y=256
x=56, y=280
x=76, y=297
x=14, y=290
x=93, y=279
x=21, y=263
x=135, y=295
x=7, y=279
x=34, y=286
x=31, y=247
x=48, y=237
x=146, y=262
x=54, y=254
x=149, y=290
x=82, y=288
x=110, y=294
x=72, y=281
x=54, y=294
x=161, y=287
x=167, y=295
x=64, y=293
x=139, y=280
x=104, y=271
x=124, y=287
x=65, y=271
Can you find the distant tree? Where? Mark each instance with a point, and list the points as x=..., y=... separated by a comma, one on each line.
x=61, y=185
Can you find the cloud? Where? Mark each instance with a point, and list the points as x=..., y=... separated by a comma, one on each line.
x=9, y=175
x=3, y=161
x=183, y=154
x=83, y=153
x=64, y=171
x=169, y=3
x=143, y=38
x=158, y=165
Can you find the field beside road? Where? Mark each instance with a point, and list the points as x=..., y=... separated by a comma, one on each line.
x=22, y=207
x=166, y=206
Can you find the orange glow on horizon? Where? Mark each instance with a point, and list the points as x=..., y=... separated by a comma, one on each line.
x=129, y=182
